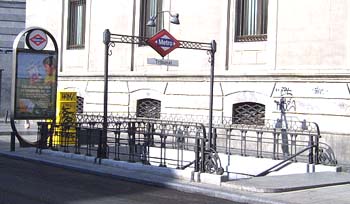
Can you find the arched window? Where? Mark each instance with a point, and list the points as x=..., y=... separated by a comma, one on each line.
x=148, y=108
x=249, y=113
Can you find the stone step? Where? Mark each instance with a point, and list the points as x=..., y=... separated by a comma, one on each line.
x=12, y=17
x=20, y=4
x=9, y=44
x=9, y=24
x=12, y=31
x=10, y=37
x=18, y=11
x=6, y=43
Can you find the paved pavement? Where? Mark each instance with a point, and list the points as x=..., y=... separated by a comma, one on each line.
x=314, y=188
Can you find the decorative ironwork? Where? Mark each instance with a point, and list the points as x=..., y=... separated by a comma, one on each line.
x=129, y=39
x=218, y=122
x=259, y=140
x=210, y=59
x=251, y=38
x=212, y=163
x=148, y=108
x=110, y=52
x=146, y=140
x=195, y=45
x=133, y=139
x=326, y=155
x=248, y=113
x=117, y=38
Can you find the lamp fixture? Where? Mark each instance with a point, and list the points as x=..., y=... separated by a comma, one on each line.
x=174, y=19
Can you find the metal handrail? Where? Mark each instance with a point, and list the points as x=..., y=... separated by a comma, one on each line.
x=264, y=173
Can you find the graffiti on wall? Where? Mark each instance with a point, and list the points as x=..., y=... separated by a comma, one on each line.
x=319, y=91
x=287, y=101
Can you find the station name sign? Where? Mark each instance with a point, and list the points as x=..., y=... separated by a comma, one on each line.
x=163, y=62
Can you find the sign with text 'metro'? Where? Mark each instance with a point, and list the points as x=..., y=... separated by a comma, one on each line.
x=163, y=42
x=34, y=76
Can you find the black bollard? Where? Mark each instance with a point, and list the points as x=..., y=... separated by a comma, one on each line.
x=12, y=146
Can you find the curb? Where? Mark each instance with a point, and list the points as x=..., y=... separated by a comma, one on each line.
x=27, y=133
x=183, y=186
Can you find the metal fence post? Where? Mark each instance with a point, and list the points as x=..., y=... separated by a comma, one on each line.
x=44, y=134
x=214, y=138
x=311, y=152
x=211, y=94
x=197, y=157
x=12, y=146
x=106, y=41
x=317, y=143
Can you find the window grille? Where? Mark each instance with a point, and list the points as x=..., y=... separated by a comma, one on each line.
x=251, y=20
x=150, y=8
x=76, y=24
x=148, y=108
x=248, y=113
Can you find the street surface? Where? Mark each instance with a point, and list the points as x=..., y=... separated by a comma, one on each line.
x=35, y=183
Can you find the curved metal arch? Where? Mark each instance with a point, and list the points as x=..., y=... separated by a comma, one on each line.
x=22, y=141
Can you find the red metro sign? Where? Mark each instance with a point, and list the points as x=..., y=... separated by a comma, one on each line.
x=163, y=42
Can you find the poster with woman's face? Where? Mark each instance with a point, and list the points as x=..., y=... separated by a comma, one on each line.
x=35, y=85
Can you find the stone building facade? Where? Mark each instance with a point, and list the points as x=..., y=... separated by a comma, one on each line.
x=298, y=50
x=12, y=21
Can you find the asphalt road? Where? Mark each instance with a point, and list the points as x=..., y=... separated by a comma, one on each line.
x=36, y=183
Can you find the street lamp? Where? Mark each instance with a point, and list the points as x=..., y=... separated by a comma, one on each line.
x=174, y=19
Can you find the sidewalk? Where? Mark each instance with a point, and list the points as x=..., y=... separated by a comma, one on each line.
x=5, y=128
x=315, y=188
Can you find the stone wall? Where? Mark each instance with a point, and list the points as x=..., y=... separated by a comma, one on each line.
x=12, y=21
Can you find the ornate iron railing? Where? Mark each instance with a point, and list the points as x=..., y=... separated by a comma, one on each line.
x=269, y=140
x=150, y=141
x=177, y=143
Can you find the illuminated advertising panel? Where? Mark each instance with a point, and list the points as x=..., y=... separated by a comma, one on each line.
x=36, y=84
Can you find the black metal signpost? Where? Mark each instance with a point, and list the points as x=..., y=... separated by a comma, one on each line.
x=160, y=39
x=110, y=40
x=34, y=80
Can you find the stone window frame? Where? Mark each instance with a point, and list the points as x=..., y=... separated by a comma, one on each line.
x=150, y=8
x=76, y=24
x=251, y=20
